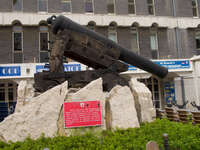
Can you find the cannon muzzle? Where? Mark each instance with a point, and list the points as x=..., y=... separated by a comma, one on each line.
x=127, y=56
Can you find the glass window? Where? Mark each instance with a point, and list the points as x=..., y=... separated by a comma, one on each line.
x=197, y=41
x=91, y=26
x=150, y=4
x=153, y=41
x=44, y=57
x=2, y=85
x=43, y=41
x=11, y=94
x=17, y=5
x=154, y=45
x=42, y=5
x=112, y=32
x=2, y=95
x=111, y=6
x=195, y=8
x=66, y=5
x=18, y=57
x=17, y=36
x=131, y=6
x=112, y=36
x=134, y=40
x=17, y=44
x=44, y=44
x=89, y=6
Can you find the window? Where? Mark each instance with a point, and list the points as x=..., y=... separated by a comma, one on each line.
x=154, y=45
x=112, y=36
x=150, y=4
x=111, y=6
x=66, y=5
x=195, y=8
x=42, y=5
x=17, y=41
x=2, y=92
x=88, y=6
x=197, y=38
x=112, y=33
x=43, y=41
x=17, y=5
x=91, y=26
x=8, y=91
x=17, y=44
x=44, y=45
x=134, y=40
x=131, y=6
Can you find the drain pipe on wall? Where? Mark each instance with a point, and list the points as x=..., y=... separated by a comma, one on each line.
x=177, y=31
x=183, y=90
x=178, y=47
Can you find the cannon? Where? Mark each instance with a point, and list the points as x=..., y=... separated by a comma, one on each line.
x=106, y=57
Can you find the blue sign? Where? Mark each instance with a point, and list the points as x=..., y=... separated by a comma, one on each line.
x=170, y=64
x=131, y=68
x=169, y=92
x=40, y=68
x=10, y=71
x=175, y=64
x=67, y=67
x=72, y=67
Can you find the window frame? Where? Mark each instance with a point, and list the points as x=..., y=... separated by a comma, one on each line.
x=113, y=29
x=22, y=7
x=153, y=6
x=6, y=90
x=22, y=42
x=154, y=32
x=38, y=6
x=114, y=9
x=135, y=30
x=91, y=26
x=197, y=9
x=41, y=31
x=197, y=34
x=92, y=7
x=132, y=3
x=65, y=1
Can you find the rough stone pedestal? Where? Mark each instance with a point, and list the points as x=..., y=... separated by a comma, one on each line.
x=39, y=115
x=25, y=92
x=143, y=101
x=122, y=108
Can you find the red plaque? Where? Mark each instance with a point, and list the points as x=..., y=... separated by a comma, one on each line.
x=79, y=114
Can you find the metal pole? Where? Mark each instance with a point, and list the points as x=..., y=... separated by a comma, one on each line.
x=166, y=144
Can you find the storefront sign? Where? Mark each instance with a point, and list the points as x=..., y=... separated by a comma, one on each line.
x=80, y=114
x=175, y=64
x=6, y=71
x=170, y=64
x=67, y=67
x=169, y=92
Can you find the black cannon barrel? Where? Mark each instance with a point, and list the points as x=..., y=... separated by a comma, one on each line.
x=62, y=22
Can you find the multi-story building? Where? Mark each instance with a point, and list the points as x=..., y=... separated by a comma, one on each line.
x=155, y=29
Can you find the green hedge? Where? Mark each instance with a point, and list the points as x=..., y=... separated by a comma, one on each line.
x=181, y=137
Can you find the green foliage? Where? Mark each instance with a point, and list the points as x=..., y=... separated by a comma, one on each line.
x=181, y=137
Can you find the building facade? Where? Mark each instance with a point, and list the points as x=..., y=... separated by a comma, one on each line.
x=155, y=29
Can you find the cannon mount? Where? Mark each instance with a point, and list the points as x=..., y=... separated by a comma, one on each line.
x=106, y=57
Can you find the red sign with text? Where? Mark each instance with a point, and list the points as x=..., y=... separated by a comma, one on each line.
x=79, y=114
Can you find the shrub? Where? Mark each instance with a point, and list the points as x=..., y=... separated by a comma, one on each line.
x=181, y=137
